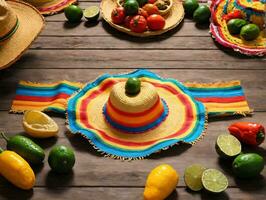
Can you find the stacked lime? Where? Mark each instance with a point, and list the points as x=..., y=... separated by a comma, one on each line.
x=214, y=181
x=227, y=146
x=192, y=177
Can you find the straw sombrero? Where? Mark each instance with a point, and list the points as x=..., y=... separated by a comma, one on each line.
x=17, y=32
x=252, y=11
x=49, y=7
x=162, y=114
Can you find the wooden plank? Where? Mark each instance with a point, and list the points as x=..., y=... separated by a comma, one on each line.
x=92, y=169
x=252, y=80
x=126, y=59
x=57, y=28
x=112, y=43
x=140, y=59
x=100, y=193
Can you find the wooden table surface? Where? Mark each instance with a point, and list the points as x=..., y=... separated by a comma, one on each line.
x=85, y=51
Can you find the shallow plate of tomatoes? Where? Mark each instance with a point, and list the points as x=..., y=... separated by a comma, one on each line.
x=142, y=18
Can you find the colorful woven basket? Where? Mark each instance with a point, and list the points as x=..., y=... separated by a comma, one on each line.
x=253, y=11
x=163, y=114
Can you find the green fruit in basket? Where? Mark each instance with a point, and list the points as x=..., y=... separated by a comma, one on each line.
x=192, y=177
x=248, y=165
x=227, y=146
x=133, y=86
x=61, y=159
x=202, y=14
x=131, y=7
x=73, y=13
x=249, y=32
x=190, y=6
x=234, y=25
x=92, y=13
x=214, y=181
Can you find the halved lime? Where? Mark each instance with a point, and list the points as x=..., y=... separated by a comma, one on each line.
x=192, y=176
x=227, y=146
x=214, y=181
x=91, y=13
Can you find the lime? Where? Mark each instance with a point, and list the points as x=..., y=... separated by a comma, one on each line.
x=193, y=175
x=61, y=159
x=248, y=165
x=190, y=6
x=131, y=7
x=73, y=13
x=214, y=181
x=227, y=146
x=92, y=13
x=249, y=32
x=132, y=86
x=202, y=14
x=234, y=25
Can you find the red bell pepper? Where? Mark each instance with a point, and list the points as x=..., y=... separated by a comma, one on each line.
x=233, y=15
x=248, y=132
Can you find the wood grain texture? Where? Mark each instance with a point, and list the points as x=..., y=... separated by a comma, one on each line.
x=84, y=51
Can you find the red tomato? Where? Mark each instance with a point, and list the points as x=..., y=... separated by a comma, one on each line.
x=151, y=9
x=118, y=15
x=152, y=1
x=127, y=21
x=138, y=24
x=155, y=22
x=143, y=13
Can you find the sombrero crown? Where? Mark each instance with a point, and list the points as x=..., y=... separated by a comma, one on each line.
x=8, y=21
x=135, y=113
x=162, y=114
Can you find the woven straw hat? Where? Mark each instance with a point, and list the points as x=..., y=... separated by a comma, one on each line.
x=131, y=127
x=17, y=32
x=50, y=7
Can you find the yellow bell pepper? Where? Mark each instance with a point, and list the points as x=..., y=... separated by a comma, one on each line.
x=16, y=170
x=161, y=182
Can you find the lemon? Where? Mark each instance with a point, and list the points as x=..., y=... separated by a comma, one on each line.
x=39, y=125
x=192, y=177
x=161, y=182
x=214, y=181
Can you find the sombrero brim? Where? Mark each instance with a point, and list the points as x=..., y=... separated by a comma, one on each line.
x=219, y=31
x=51, y=7
x=185, y=121
x=28, y=30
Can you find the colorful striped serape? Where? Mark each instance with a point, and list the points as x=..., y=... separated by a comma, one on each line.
x=222, y=98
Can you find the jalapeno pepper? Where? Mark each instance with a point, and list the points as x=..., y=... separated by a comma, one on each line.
x=248, y=132
x=233, y=15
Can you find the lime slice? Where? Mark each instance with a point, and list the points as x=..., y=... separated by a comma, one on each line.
x=214, y=181
x=227, y=146
x=193, y=175
x=91, y=13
